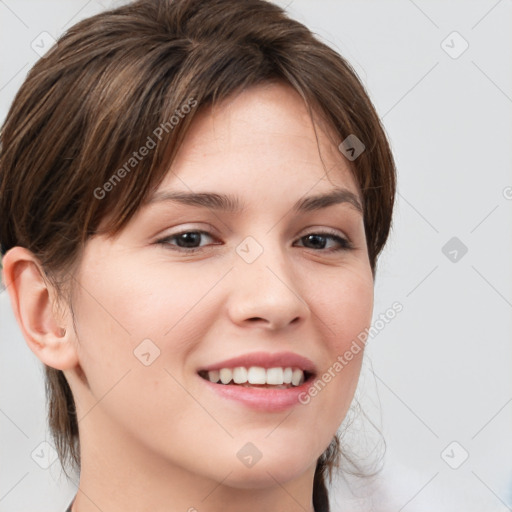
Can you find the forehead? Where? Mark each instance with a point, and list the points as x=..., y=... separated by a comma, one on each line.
x=264, y=134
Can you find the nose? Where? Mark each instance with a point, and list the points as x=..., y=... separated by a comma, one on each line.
x=266, y=292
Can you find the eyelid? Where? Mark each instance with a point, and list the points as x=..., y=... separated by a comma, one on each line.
x=323, y=229
x=185, y=228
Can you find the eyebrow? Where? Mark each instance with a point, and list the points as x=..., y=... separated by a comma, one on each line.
x=232, y=204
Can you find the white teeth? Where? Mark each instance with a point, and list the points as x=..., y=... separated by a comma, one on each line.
x=226, y=375
x=297, y=377
x=275, y=376
x=240, y=375
x=213, y=375
x=258, y=375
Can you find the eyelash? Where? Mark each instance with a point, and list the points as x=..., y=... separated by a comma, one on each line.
x=345, y=245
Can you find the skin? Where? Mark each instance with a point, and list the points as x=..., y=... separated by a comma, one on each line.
x=155, y=434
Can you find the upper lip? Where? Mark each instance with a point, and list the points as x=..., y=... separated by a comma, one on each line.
x=265, y=360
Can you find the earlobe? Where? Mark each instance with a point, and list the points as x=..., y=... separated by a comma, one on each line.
x=33, y=304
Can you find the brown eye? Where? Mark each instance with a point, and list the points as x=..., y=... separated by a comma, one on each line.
x=318, y=241
x=186, y=241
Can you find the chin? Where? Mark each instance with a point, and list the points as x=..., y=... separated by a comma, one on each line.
x=263, y=475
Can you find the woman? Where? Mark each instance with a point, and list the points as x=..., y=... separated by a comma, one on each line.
x=196, y=195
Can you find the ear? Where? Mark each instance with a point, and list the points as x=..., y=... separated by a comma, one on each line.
x=34, y=306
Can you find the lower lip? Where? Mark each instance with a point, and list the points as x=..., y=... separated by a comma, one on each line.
x=262, y=399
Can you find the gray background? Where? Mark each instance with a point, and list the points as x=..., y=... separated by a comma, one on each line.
x=440, y=371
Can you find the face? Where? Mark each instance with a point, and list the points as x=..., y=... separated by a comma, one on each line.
x=184, y=287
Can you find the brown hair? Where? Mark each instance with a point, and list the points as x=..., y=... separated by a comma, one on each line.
x=104, y=90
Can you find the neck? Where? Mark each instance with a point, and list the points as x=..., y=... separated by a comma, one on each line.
x=118, y=475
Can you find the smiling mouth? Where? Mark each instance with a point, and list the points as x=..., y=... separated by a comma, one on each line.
x=277, y=378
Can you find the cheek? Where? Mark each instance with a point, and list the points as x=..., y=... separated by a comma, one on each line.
x=345, y=311
x=346, y=306
x=129, y=314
